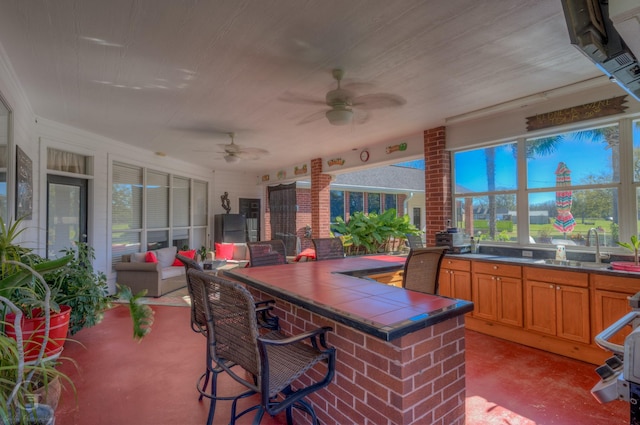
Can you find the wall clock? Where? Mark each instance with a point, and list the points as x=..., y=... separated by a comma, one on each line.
x=364, y=155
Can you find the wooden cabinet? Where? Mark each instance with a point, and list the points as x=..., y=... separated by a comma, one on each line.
x=557, y=303
x=497, y=293
x=455, y=279
x=610, y=302
x=390, y=278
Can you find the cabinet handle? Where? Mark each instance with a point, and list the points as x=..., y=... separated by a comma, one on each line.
x=551, y=286
x=498, y=279
x=495, y=267
x=493, y=278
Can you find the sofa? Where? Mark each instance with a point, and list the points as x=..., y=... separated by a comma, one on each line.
x=139, y=271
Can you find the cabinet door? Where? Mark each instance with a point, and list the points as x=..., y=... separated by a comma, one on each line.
x=485, y=296
x=510, y=301
x=461, y=285
x=444, y=283
x=540, y=311
x=573, y=313
x=608, y=307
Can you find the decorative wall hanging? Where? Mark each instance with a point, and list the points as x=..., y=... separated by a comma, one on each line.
x=265, y=178
x=600, y=108
x=24, y=185
x=397, y=148
x=364, y=155
x=300, y=170
x=281, y=175
x=335, y=161
x=226, y=204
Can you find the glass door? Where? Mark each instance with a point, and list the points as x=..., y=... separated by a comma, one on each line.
x=66, y=213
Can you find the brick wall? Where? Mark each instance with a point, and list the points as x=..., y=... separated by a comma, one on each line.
x=320, y=219
x=437, y=182
x=415, y=379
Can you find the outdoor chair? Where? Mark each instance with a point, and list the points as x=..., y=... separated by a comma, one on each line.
x=328, y=248
x=264, y=318
x=422, y=268
x=267, y=253
x=272, y=362
x=414, y=241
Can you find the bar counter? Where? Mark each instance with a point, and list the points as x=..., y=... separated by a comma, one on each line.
x=400, y=354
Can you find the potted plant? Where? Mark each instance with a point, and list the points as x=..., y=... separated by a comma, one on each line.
x=634, y=247
x=23, y=289
x=20, y=379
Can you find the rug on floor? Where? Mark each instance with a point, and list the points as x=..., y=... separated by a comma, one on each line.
x=177, y=298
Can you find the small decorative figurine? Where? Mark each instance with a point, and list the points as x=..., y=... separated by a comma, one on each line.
x=226, y=204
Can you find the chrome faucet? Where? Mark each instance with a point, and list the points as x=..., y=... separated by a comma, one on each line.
x=599, y=256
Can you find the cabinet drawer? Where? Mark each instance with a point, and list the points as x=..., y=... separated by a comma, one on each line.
x=497, y=269
x=629, y=285
x=453, y=264
x=560, y=277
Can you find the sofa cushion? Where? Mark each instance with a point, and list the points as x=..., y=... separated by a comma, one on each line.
x=224, y=251
x=138, y=257
x=150, y=257
x=240, y=252
x=166, y=256
x=188, y=254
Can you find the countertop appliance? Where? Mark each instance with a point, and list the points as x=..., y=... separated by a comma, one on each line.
x=620, y=375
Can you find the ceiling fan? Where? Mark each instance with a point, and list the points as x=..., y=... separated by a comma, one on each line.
x=234, y=153
x=344, y=105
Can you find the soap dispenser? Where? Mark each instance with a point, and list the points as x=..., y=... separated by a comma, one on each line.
x=561, y=253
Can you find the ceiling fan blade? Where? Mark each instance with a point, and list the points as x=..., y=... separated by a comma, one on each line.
x=360, y=117
x=253, y=151
x=357, y=86
x=300, y=99
x=313, y=117
x=247, y=155
x=378, y=101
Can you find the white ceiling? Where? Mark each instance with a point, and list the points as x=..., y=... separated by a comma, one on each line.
x=174, y=76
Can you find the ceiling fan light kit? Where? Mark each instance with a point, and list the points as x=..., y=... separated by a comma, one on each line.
x=232, y=159
x=339, y=116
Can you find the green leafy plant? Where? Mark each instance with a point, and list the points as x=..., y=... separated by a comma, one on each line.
x=634, y=246
x=371, y=233
x=82, y=288
x=202, y=252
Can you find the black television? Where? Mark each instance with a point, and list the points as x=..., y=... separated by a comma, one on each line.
x=592, y=32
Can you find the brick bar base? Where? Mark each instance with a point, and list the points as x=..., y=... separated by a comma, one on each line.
x=416, y=379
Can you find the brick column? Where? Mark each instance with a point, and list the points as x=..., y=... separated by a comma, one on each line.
x=320, y=200
x=437, y=183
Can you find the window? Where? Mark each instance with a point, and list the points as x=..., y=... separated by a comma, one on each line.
x=156, y=214
x=579, y=172
x=126, y=210
x=571, y=182
x=485, y=192
x=373, y=203
x=390, y=201
x=337, y=204
x=356, y=202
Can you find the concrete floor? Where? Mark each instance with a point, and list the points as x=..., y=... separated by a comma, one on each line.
x=120, y=381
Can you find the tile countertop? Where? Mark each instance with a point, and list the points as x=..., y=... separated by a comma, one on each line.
x=583, y=266
x=332, y=288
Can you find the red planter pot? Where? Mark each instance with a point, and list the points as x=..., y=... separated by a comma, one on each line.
x=33, y=332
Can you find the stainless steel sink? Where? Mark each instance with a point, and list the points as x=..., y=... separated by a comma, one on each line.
x=571, y=263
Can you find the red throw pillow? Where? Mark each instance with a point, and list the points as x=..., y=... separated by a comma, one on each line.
x=189, y=254
x=151, y=257
x=224, y=251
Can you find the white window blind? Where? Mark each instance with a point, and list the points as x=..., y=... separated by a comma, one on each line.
x=157, y=200
x=180, y=201
x=200, y=204
x=126, y=199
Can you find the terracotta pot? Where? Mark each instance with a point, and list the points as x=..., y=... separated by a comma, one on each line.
x=33, y=332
